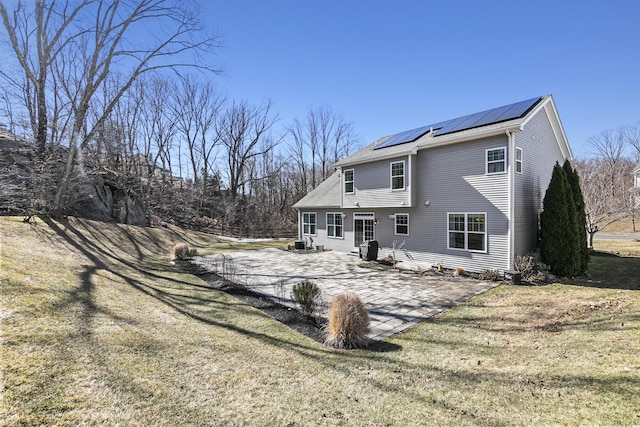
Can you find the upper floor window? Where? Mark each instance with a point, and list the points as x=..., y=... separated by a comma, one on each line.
x=397, y=175
x=348, y=181
x=518, y=160
x=467, y=231
x=496, y=160
x=402, y=224
x=309, y=223
x=334, y=225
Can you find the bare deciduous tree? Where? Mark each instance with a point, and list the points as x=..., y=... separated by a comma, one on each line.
x=242, y=129
x=318, y=142
x=606, y=192
x=196, y=108
x=92, y=41
x=37, y=38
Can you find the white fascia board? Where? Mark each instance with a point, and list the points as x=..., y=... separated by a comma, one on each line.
x=546, y=99
x=473, y=134
x=427, y=141
x=556, y=124
x=559, y=130
x=409, y=149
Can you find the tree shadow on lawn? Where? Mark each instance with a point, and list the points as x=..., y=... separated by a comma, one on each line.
x=177, y=294
x=375, y=355
x=611, y=271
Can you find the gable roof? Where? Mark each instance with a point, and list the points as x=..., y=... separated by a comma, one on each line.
x=325, y=195
x=511, y=117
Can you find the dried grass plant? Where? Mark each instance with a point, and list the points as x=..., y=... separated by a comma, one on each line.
x=348, y=323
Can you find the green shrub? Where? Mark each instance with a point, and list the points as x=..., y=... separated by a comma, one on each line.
x=305, y=294
x=348, y=323
x=560, y=230
x=581, y=216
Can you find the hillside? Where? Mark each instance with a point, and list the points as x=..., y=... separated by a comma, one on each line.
x=28, y=189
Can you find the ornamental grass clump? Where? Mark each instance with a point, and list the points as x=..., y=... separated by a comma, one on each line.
x=306, y=294
x=348, y=323
x=180, y=251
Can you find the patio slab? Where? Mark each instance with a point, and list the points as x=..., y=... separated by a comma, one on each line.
x=395, y=301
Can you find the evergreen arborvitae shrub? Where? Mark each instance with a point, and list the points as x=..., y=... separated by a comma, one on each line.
x=348, y=322
x=559, y=229
x=581, y=216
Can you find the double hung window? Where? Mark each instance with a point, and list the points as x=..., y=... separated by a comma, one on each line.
x=348, y=181
x=309, y=223
x=334, y=225
x=496, y=160
x=467, y=231
x=402, y=224
x=397, y=175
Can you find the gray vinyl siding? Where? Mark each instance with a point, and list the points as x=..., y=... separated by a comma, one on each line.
x=540, y=152
x=372, y=185
x=344, y=244
x=452, y=179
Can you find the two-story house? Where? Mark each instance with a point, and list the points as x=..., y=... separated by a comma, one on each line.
x=465, y=192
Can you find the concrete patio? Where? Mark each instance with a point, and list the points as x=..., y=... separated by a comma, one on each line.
x=395, y=300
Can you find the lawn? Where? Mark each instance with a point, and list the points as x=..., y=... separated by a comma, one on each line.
x=98, y=327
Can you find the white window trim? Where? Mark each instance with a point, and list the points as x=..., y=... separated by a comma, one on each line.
x=314, y=223
x=466, y=232
x=519, y=150
x=486, y=160
x=335, y=214
x=404, y=175
x=395, y=224
x=353, y=179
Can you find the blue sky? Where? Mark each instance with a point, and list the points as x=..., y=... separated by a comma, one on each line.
x=393, y=66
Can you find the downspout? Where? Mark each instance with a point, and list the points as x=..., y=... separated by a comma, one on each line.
x=511, y=156
x=339, y=171
x=410, y=175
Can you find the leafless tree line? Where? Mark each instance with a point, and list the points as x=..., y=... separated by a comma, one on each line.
x=89, y=90
x=607, y=179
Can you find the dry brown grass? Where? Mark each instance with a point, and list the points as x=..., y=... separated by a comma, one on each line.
x=99, y=328
x=622, y=247
x=624, y=225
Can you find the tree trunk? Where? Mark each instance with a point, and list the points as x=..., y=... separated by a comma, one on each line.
x=68, y=169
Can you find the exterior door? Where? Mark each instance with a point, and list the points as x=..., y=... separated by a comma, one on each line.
x=363, y=228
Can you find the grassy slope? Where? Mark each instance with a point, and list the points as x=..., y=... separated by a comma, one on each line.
x=98, y=326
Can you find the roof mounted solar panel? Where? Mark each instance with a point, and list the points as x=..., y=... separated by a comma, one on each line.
x=483, y=118
x=488, y=117
x=404, y=137
x=494, y=114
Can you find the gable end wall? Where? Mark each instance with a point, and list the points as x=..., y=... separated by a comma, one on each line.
x=540, y=152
